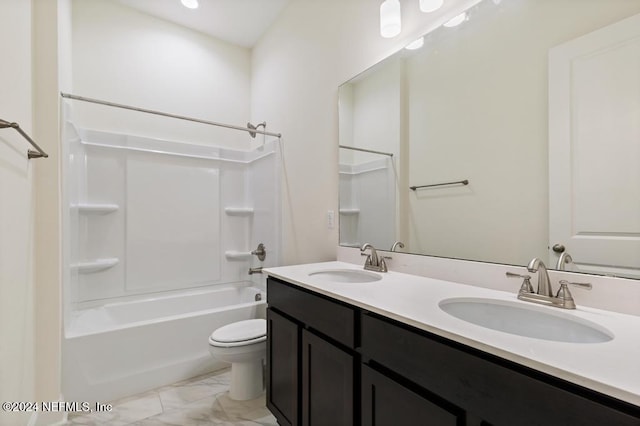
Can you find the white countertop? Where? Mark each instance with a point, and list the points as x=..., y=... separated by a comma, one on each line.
x=612, y=367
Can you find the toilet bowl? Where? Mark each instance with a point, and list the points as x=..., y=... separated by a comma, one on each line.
x=243, y=344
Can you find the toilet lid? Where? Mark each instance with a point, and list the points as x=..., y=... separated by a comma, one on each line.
x=240, y=331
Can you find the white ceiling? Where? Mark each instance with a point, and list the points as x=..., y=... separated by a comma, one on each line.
x=240, y=22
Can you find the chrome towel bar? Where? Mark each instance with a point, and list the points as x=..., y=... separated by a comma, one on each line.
x=459, y=182
x=30, y=153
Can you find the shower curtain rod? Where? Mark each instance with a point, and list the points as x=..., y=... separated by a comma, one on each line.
x=166, y=114
x=390, y=154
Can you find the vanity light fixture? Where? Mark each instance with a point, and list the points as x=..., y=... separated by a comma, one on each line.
x=430, y=5
x=455, y=21
x=191, y=4
x=416, y=44
x=390, y=20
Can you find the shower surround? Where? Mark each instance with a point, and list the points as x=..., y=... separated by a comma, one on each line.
x=157, y=248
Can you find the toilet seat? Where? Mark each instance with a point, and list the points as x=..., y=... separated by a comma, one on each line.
x=240, y=333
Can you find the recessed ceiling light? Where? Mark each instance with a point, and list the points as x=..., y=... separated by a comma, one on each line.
x=456, y=20
x=191, y=4
x=416, y=44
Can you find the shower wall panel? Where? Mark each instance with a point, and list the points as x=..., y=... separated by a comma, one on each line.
x=173, y=222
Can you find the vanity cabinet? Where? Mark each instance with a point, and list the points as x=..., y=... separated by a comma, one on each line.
x=481, y=388
x=310, y=358
x=330, y=363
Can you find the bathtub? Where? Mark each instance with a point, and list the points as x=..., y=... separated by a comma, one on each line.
x=121, y=349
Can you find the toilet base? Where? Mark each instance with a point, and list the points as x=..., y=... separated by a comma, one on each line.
x=246, y=380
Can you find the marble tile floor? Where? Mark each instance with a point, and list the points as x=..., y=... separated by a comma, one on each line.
x=203, y=400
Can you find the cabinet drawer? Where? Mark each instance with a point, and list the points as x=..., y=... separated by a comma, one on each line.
x=328, y=317
x=496, y=390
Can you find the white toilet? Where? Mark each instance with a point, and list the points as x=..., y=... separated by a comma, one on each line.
x=243, y=344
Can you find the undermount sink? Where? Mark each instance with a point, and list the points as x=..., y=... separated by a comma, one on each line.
x=516, y=318
x=346, y=275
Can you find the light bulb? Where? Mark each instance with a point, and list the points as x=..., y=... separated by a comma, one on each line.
x=191, y=4
x=416, y=44
x=390, y=20
x=456, y=20
x=430, y=5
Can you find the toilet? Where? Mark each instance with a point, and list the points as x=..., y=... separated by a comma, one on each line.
x=243, y=344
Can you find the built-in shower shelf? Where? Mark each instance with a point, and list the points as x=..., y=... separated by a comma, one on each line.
x=349, y=212
x=356, y=245
x=237, y=255
x=238, y=211
x=96, y=208
x=95, y=265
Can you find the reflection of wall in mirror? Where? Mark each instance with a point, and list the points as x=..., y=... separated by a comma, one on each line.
x=478, y=111
x=370, y=118
x=367, y=202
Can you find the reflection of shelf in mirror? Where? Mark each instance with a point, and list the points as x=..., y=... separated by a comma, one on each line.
x=238, y=211
x=349, y=211
x=95, y=265
x=237, y=255
x=96, y=208
x=356, y=245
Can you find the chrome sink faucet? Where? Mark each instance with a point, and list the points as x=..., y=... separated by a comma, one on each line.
x=544, y=295
x=396, y=245
x=562, y=260
x=544, y=286
x=373, y=262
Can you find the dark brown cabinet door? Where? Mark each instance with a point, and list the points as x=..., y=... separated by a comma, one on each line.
x=388, y=403
x=327, y=383
x=283, y=398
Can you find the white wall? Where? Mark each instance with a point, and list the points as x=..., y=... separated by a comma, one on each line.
x=17, y=343
x=29, y=191
x=50, y=60
x=127, y=57
x=297, y=67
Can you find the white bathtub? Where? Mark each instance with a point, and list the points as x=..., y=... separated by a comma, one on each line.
x=121, y=349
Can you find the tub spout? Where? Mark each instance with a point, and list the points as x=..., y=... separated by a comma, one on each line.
x=255, y=270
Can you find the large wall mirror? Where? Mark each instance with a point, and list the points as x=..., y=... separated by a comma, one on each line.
x=510, y=136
